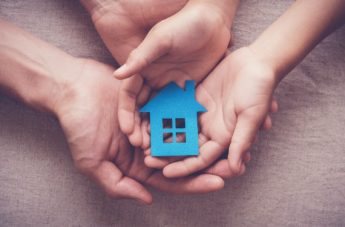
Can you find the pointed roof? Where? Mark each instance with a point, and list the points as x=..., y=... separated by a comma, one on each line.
x=173, y=99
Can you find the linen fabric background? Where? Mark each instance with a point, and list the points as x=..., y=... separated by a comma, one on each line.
x=296, y=177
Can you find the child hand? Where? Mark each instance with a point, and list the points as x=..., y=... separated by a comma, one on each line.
x=238, y=97
x=241, y=103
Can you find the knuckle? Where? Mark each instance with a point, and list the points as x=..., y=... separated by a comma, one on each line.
x=203, y=162
x=129, y=94
x=241, y=146
x=237, y=169
x=164, y=43
x=162, y=37
x=136, y=56
x=133, y=54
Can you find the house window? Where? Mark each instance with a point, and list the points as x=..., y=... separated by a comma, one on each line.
x=180, y=137
x=167, y=137
x=174, y=130
x=167, y=122
x=180, y=123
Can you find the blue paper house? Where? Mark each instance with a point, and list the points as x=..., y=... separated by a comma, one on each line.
x=174, y=114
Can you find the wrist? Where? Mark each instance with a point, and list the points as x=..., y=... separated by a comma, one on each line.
x=270, y=57
x=30, y=80
x=225, y=8
x=85, y=85
x=45, y=87
x=265, y=66
x=32, y=70
x=50, y=86
x=65, y=84
x=294, y=34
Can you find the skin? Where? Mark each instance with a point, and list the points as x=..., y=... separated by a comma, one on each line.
x=83, y=95
x=163, y=41
x=239, y=91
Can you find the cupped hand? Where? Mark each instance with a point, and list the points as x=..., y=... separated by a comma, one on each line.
x=164, y=42
x=87, y=111
x=238, y=97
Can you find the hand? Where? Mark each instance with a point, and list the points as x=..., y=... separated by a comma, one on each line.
x=181, y=44
x=238, y=97
x=87, y=111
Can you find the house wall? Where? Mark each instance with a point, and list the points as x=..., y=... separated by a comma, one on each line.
x=174, y=149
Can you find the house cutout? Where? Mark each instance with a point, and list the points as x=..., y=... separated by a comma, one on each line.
x=174, y=115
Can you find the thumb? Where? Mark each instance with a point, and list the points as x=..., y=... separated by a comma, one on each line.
x=128, y=115
x=248, y=123
x=155, y=45
x=116, y=185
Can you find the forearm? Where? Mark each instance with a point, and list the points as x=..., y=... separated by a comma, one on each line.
x=288, y=40
x=31, y=69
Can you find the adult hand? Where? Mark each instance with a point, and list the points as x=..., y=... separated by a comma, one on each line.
x=170, y=41
x=83, y=95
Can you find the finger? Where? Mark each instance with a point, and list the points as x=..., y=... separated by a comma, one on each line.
x=116, y=185
x=159, y=163
x=128, y=93
x=222, y=169
x=146, y=136
x=209, y=152
x=245, y=131
x=143, y=95
x=202, y=139
x=231, y=42
x=247, y=158
x=136, y=137
x=155, y=45
x=203, y=183
x=267, y=125
x=274, y=106
x=156, y=163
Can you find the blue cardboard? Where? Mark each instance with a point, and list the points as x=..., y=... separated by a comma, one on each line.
x=174, y=113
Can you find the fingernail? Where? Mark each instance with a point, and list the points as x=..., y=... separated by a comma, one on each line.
x=120, y=70
x=216, y=182
x=239, y=163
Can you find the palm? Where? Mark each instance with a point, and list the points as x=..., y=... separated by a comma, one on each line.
x=124, y=24
x=191, y=55
x=245, y=89
x=88, y=116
